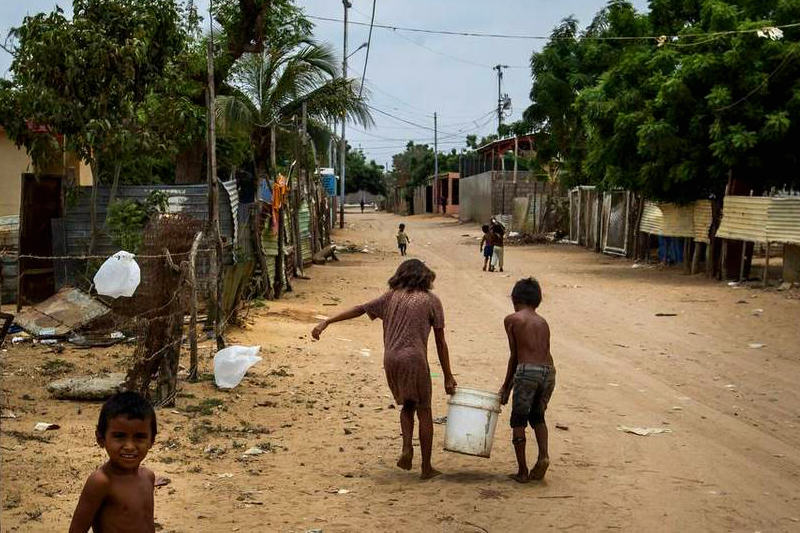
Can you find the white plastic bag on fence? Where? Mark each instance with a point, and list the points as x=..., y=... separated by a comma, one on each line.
x=118, y=276
x=232, y=363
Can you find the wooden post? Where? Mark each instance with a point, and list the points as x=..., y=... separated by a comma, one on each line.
x=213, y=196
x=258, y=247
x=741, y=264
x=687, y=250
x=696, y=257
x=766, y=265
x=710, y=258
x=723, y=272
x=193, y=307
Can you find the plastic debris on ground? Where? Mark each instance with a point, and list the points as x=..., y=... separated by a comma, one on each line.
x=45, y=426
x=232, y=363
x=118, y=276
x=255, y=450
x=643, y=432
x=756, y=345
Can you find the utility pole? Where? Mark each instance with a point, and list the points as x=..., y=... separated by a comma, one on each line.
x=435, y=162
x=501, y=99
x=213, y=194
x=347, y=5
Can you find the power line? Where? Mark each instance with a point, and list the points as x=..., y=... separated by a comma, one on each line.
x=369, y=43
x=450, y=56
x=551, y=37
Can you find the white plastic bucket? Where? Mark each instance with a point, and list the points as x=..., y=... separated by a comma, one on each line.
x=471, y=421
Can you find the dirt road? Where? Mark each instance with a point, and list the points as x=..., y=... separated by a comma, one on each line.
x=324, y=414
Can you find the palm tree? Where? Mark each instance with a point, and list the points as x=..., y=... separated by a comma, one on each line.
x=268, y=90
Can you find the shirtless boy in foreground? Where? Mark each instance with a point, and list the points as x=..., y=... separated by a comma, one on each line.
x=118, y=496
x=531, y=374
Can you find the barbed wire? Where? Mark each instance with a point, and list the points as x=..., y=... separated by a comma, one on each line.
x=88, y=257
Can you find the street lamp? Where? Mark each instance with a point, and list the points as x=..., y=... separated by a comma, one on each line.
x=363, y=45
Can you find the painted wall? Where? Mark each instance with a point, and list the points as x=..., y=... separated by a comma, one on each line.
x=13, y=163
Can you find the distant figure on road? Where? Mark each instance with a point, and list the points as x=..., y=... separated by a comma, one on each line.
x=530, y=374
x=443, y=202
x=362, y=205
x=498, y=230
x=487, y=245
x=402, y=239
x=409, y=310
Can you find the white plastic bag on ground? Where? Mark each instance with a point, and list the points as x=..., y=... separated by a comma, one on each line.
x=231, y=364
x=118, y=276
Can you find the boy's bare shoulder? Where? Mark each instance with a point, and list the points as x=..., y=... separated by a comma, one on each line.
x=98, y=482
x=147, y=473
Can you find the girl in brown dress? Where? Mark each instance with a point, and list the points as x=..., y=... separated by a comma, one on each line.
x=408, y=311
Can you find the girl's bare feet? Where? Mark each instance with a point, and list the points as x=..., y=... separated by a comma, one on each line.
x=520, y=477
x=539, y=470
x=429, y=473
x=406, y=459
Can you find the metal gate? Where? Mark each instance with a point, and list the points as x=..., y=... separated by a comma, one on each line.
x=574, y=215
x=615, y=209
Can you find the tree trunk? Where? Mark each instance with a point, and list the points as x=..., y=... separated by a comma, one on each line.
x=280, y=270
x=189, y=164
x=168, y=368
x=114, y=186
x=93, y=205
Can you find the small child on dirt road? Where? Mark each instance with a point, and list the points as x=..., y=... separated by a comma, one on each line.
x=487, y=246
x=402, y=239
x=498, y=230
x=118, y=496
x=530, y=373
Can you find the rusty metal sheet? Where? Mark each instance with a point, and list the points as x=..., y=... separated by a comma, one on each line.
x=65, y=311
x=702, y=218
x=668, y=220
x=744, y=218
x=678, y=220
x=783, y=220
x=652, y=219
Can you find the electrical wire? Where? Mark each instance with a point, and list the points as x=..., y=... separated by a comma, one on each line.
x=548, y=37
x=369, y=43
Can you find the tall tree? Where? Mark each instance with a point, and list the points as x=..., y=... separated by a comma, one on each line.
x=268, y=90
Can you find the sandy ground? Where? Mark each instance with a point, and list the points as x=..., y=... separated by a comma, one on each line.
x=730, y=463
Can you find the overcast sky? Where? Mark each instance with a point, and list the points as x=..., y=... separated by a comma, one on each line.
x=411, y=75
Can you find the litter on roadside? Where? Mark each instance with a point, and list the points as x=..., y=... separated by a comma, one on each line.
x=255, y=450
x=232, y=363
x=756, y=345
x=643, y=432
x=66, y=311
x=45, y=426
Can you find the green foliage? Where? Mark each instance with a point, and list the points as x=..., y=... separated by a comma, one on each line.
x=363, y=176
x=127, y=219
x=88, y=78
x=671, y=121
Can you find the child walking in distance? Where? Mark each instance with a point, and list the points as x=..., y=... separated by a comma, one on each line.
x=497, y=230
x=402, y=239
x=118, y=496
x=409, y=310
x=487, y=246
x=530, y=374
